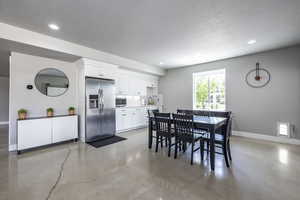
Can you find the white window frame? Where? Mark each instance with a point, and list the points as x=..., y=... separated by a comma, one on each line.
x=208, y=73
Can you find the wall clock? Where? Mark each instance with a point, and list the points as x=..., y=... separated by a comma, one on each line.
x=258, y=77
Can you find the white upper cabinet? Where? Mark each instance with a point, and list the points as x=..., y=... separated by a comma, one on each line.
x=137, y=87
x=100, y=69
x=134, y=84
x=127, y=82
x=122, y=84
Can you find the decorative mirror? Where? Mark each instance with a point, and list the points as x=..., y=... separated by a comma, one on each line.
x=258, y=77
x=51, y=82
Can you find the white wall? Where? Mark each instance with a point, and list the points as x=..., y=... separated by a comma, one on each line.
x=23, y=70
x=4, y=99
x=255, y=110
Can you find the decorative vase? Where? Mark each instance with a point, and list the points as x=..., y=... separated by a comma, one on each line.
x=22, y=116
x=71, y=112
x=50, y=114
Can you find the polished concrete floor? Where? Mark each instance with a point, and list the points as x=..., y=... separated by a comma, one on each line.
x=129, y=170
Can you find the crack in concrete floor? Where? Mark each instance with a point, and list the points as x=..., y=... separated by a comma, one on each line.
x=59, y=176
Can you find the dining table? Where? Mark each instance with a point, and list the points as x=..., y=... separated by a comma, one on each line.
x=209, y=123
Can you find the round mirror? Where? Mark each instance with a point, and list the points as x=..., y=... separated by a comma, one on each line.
x=52, y=82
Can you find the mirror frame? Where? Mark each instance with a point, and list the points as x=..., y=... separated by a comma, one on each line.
x=50, y=68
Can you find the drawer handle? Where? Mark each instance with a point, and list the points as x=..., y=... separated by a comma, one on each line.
x=101, y=75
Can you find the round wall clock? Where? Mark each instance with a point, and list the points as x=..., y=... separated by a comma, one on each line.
x=258, y=77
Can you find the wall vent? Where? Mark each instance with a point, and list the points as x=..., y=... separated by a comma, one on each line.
x=283, y=129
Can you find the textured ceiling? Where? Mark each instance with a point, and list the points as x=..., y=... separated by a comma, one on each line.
x=174, y=32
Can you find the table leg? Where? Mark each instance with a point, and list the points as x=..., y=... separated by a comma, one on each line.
x=150, y=134
x=212, y=148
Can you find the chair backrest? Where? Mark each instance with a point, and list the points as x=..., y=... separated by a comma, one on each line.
x=228, y=127
x=183, y=111
x=209, y=113
x=162, y=123
x=184, y=125
x=151, y=112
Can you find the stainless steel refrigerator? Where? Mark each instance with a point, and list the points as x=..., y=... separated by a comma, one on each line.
x=100, y=120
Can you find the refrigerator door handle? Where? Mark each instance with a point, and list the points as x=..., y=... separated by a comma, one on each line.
x=101, y=105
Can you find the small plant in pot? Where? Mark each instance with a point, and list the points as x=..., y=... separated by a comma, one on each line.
x=50, y=112
x=71, y=111
x=22, y=114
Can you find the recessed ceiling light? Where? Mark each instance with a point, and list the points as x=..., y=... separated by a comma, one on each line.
x=161, y=63
x=53, y=26
x=251, y=41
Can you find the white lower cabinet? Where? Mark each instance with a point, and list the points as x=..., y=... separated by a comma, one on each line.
x=34, y=133
x=130, y=118
x=44, y=131
x=64, y=128
x=121, y=120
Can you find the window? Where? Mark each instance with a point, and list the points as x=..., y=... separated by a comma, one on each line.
x=283, y=129
x=209, y=90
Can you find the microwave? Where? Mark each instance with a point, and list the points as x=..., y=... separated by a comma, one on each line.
x=121, y=102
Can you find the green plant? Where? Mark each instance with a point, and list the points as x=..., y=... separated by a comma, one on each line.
x=71, y=108
x=22, y=111
x=50, y=110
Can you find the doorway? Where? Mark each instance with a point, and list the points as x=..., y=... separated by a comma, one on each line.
x=4, y=100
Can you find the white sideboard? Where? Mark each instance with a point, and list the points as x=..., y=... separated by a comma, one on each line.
x=38, y=132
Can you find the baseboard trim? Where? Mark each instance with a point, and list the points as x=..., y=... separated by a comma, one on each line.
x=4, y=123
x=12, y=147
x=266, y=137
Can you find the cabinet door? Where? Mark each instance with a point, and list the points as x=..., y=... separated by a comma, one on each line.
x=99, y=72
x=34, y=133
x=131, y=118
x=122, y=85
x=64, y=128
x=142, y=88
x=140, y=116
x=118, y=120
x=121, y=119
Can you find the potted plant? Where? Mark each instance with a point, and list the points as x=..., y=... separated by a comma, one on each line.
x=71, y=111
x=50, y=112
x=22, y=114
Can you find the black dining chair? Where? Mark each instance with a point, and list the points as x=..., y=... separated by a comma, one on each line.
x=164, y=130
x=222, y=140
x=151, y=114
x=184, y=133
x=184, y=111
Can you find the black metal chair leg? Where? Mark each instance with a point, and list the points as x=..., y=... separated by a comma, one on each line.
x=229, y=150
x=192, y=153
x=225, y=155
x=161, y=141
x=184, y=147
x=201, y=149
x=170, y=144
x=166, y=142
x=180, y=145
x=157, y=141
x=176, y=148
x=207, y=146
